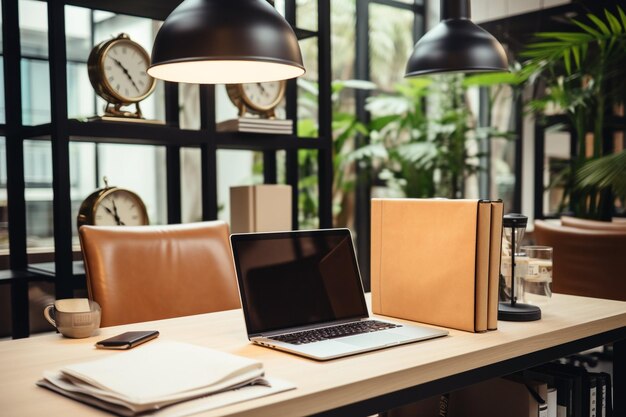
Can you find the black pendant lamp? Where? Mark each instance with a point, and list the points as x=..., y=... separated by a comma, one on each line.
x=456, y=44
x=225, y=41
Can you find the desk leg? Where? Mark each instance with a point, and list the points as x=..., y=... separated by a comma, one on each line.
x=619, y=378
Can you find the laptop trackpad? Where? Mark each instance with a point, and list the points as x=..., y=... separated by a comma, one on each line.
x=373, y=339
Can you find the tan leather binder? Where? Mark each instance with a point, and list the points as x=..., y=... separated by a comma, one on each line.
x=495, y=255
x=430, y=261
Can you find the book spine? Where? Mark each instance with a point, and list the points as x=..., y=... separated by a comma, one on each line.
x=483, y=232
x=375, y=255
x=495, y=256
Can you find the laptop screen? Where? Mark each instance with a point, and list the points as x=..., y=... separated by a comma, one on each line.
x=292, y=279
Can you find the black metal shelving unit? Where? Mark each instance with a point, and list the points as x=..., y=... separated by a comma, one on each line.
x=614, y=124
x=61, y=131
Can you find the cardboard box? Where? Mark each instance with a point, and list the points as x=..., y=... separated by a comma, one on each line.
x=260, y=208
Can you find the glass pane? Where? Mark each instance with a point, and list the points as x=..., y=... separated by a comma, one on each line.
x=189, y=105
x=236, y=168
x=38, y=194
x=343, y=35
x=140, y=169
x=503, y=150
x=306, y=14
x=35, y=91
x=391, y=43
x=83, y=180
x=80, y=96
x=308, y=91
x=77, y=33
x=308, y=195
x=557, y=157
x=191, y=185
x=33, y=28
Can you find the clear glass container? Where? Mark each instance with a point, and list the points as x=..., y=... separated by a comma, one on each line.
x=536, y=282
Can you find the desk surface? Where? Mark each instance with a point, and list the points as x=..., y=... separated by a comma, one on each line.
x=321, y=386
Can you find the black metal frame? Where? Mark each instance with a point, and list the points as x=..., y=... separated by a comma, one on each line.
x=362, y=72
x=498, y=369
x=61, y=131
x=614, y=124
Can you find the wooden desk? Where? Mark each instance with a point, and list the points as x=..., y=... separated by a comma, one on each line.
x=358, y=385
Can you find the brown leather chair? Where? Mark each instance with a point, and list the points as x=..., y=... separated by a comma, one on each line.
x=586, y=262
x=155, y=272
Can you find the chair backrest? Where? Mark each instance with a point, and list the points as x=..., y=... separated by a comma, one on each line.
x=586, y=262
x=154, y=272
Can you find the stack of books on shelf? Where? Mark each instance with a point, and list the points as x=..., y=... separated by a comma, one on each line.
x=257, y=125
x=163, y=378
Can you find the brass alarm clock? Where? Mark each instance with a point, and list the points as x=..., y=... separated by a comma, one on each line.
x=117, y=71
x=112, y=206
x=257, y=98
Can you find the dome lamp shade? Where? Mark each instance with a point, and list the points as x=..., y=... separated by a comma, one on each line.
x=225, y=42
x=456, y=44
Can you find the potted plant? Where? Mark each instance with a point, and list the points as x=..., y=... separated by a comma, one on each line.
x=584, y=72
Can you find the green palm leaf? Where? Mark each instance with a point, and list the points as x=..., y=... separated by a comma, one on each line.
x=600, y=24
x=613, y=22
x=605, y=172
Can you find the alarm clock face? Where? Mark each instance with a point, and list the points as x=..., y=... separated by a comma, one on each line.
x=263, y=96
x=120, y=208
x=124, y=64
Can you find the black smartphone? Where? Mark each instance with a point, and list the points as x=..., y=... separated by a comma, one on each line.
x=127, y=340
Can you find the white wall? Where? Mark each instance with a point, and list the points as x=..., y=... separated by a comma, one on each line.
x=485, y=10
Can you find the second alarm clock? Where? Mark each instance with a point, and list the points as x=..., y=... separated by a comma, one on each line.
x=112, y=206
x=257, y=98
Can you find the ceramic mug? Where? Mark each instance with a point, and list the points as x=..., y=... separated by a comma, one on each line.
x=74, y=317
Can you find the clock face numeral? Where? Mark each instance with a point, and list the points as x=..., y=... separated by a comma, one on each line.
x=119, y=208
x=125, y=68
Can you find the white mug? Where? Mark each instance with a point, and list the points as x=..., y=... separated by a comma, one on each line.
x=74, y=317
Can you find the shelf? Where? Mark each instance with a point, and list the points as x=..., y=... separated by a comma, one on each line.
x=9, y=276
x=48, y=269
x=263, y=141
x=304, y=33
x=163, y=135
x=156, y=10
x=37, y=132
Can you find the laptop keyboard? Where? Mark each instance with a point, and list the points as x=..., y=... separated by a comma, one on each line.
x=326, y=333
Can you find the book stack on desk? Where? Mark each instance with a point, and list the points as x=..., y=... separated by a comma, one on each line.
x=437, y=261
x=163, y=378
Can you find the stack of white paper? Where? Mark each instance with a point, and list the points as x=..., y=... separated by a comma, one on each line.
x=160, y=374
